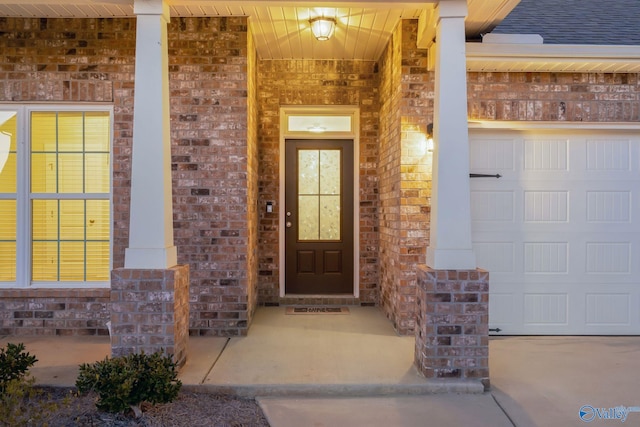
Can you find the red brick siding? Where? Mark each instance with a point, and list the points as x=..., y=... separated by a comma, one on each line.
x=214, y=169
x=63, y=59
x=54, y=311
x=452, y=332
x=415, y=174
x=150, y=311
x=589, y=97
x=405, y=173
x=253, y=205
x=389, y=169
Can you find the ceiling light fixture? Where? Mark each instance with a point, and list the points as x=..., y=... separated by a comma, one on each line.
x=323, y=27
x=316, y=128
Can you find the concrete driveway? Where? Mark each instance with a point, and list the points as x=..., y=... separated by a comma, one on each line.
x=546, y=381
x=536, y=381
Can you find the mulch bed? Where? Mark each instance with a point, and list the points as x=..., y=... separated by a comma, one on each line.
x=189, y=409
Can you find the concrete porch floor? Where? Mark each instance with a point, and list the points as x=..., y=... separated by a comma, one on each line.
x=311, y=354
x=351, y=370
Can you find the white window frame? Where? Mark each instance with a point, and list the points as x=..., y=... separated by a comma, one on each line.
x=24, y=195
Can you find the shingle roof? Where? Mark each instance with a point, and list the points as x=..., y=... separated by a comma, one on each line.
x=603, y=22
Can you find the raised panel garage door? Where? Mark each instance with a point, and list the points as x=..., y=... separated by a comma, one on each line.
x=559, y=232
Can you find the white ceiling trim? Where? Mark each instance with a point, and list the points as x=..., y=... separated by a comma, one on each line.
x=500, y=57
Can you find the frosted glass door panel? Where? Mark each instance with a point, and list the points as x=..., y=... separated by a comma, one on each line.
x=319, y=200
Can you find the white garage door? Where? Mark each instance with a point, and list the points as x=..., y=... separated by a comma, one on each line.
x=559, y=232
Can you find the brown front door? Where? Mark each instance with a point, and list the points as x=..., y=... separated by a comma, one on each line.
x=319, y=217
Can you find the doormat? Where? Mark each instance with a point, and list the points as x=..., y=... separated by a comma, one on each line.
x=317, y=310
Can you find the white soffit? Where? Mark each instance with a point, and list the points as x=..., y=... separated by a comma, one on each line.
x=502, y=57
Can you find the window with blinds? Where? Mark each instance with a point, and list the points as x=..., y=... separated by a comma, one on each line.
x=63, y=209
x=8, y=195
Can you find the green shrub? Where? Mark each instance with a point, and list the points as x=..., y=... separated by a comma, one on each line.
x=126, y=382
x=14, y=364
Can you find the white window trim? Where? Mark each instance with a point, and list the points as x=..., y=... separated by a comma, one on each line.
x=24, y=196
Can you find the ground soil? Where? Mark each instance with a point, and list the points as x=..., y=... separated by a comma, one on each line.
x=189, y=409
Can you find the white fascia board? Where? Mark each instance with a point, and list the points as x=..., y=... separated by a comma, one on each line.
x=512, y=38
x=564, y=58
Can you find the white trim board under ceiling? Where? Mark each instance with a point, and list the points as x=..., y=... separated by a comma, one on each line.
x=503, y=57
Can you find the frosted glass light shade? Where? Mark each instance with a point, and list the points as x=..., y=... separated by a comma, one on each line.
x=322, y=28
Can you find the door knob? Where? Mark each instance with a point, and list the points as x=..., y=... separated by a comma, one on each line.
x=289, y=224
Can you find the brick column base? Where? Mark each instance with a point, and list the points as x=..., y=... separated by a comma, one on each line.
x=452, y=324
x=150, y=311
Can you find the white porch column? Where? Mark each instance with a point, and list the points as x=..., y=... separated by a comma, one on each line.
x=151, y=223
x=450, y=238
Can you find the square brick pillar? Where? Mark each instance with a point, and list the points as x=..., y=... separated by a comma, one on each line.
x=452, y=324
x=150, y=311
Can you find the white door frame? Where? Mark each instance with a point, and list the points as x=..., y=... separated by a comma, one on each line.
x=353, y=134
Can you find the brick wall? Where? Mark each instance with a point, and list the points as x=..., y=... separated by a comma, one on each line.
x=389, y=169
x=64, y=59
x=452, y=332
x=214, y=170
x=150, y=311
x=405, y=173
x=252, y=177
x=415, y=174
x=589, y=97
x=54, y=311
x=310, y=82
